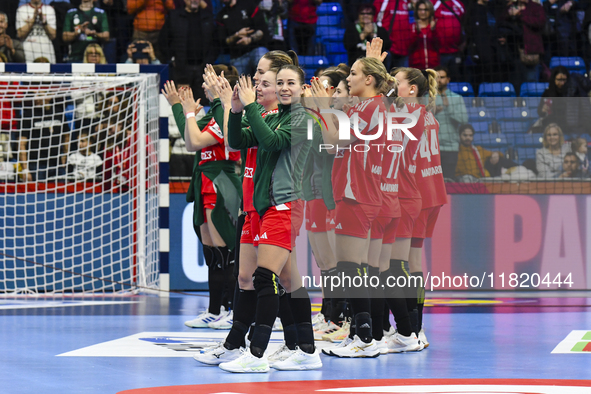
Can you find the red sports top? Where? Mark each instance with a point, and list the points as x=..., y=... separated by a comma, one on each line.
x=357, y=168
x=407, y=183
x=429, y=175
x=250, y=166
x=217, y=151
x=391, y=160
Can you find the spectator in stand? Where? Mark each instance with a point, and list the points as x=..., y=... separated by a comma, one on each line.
x=398, y=22
x=579, y=148
x=11, y=49
x=424, y=47
x=549, y=158
x=275, y=11
x=94, y=54
x=472, y=159
x=301, y=25
x=182, y=44
x=450, y=112
x=524, y=21
x=243, y=30
x=3, y=58
x=559, y=106
x=448, y=30
x=141, y=52
x=85, y=161
x=9, y=7
x=36, y=24
x=562, y=27
x=363, y=31
x=483, y=45
x=120, y=23
x=571, y=167
x=83, y=26
x=149, y=19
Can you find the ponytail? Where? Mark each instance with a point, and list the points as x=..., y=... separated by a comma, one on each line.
x=426, y=82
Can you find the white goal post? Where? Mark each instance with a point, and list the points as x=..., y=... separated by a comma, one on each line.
x=80, y=179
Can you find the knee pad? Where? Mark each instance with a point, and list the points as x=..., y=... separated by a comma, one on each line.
x=265, y=282
x=349, y=268
x=416, y=242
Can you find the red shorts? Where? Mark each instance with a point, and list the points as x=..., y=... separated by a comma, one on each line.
x=355, y=219
x=251, y=229
x=425, y=223
x=317, y=216
x=411, y=209
x=279, y=225
x=385, y=229
x=331, y=220
x=297, y=216
x=208, y=195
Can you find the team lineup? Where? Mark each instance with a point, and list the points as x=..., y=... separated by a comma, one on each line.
x=354, y=155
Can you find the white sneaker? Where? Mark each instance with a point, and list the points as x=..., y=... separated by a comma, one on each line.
x=282, y=354
x=247, y=363
x=390, y=332
x=345, y=342
x=217, y=354
x=423, y=338
x=399, y=343
x=357, y=349
x=317, y=319
x=203, y=320
x=325, y=329
x=383, y=345
x=300, y=361
x=224, y=322
x=277, y=326
x=339, y=335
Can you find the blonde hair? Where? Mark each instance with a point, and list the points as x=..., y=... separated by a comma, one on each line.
x=384, y=82
x=426, y=82
x=576, y=144
x=99, y=50
x=545, y=135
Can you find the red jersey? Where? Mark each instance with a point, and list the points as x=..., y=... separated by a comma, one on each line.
x=391, y=174
x=448, y=29
x=357, y=168
x=250, y=166
x=217, y=151
x=407, y=184
x=423, y=52
x=429, y=174
x=401, y=33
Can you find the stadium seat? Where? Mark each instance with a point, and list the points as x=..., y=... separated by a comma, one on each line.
x=527, y=140
x=336, y=52
x=532, y=89
x=573, y=64
x=329, y=9
x=313, y=61
x=529, y=102
x=491, y=141
x=497, y=89
x=329, y=20
x=517, y=114
x=513, y=126
x=330, y=33
x=525, y=154
x=476, y=114
x=462, y=88
x=480, y=127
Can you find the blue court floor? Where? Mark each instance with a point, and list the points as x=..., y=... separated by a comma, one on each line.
x=107, y=344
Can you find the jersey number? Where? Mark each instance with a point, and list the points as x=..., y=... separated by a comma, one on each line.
x=424, y=146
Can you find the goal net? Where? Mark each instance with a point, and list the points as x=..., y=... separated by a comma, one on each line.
x=78, y=183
